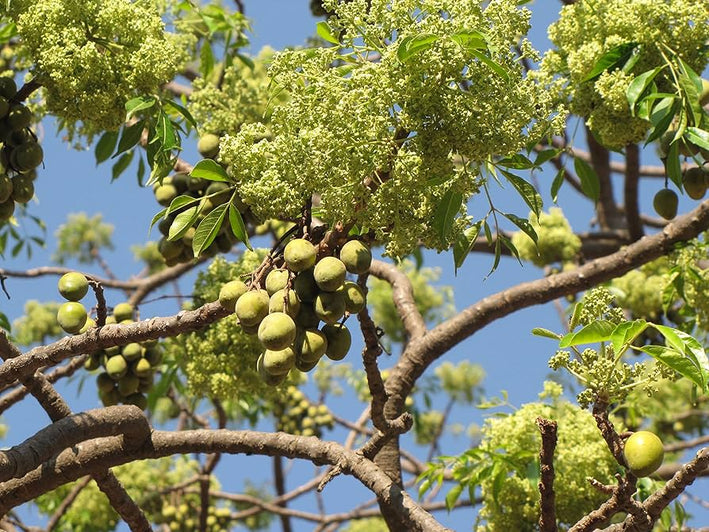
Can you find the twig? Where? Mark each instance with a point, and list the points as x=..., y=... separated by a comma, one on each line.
x=66, y=503
x=630, y=192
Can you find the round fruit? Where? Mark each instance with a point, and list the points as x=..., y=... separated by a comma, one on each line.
x=22, y=189
x=643, y=453
x=128, y=384
x=27, y=156
x=116, y=367
x=355, y=298
x=356, y=256
x=109, y=398
x=8, y=87
x=179, y=181
x=132, y=351
x=329, y=274
x=276, y=280
x=122, y=312
x=164, y=194
x=665, y=203
x=93, y=362
x=694, y=182
x=72, y=317
x=73, y=286
x=230, y=293
x=305, y=365
x=339, y=340
x=222, y=193
x=137, y=399
x=7, y=209
x=279, y=362
x=5, y=187
x=252, y=307
x=170, y=249
x=4, y=106
x=104, y=383
x=299, y=255
x=153, y=355
x=305, y=286
x=306, y=318
x=268, y=378
x=208, y=145
x=18, y=117
x=277, y=303
x=142, y=368
x=329, y=306
x=277, y=331
x=311, y=344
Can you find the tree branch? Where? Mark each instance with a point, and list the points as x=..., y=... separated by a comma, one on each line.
x=547, y=516
x=630, y=192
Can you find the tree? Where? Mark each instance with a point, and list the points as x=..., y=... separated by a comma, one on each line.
x=388, y=133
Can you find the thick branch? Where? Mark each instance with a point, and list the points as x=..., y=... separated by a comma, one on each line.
x=630, y=192
x=96, y=455
x=547, y=516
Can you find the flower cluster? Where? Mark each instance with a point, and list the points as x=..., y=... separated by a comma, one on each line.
x=556, y=242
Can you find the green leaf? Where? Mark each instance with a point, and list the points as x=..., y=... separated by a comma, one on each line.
x=121, y=164
x=625, y=333
x=661, y=117
x=181, y=110
x=179, y=202
x=138, y=104
x=470, y=40
x=453, y=495
x=208, y=229
x=414, y=44
x=523, y=224
x=210, y=170
x=165, y=133
x=678, y=362
x=546, y=155
x=638, y=86
x=206, y=59
x=236, y=222
x=464, y=244
x=183, y=222
x=529, y=194
x=517, y=161
x=159, y=216
x=105, y=146
x=495, y=67
x=130, y=136
x=556, y=184
x=598, y=331
x=698, y=137
x=324, y=30
x=672, y=165
x=4, y=322
x=684, y=343
x=545, y=333
x=611, y=60
x=590, y=183
x=445, y=213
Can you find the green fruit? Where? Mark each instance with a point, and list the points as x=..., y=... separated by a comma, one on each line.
x=195, y=184
x=704, y=96
x=694, y=182
x=268, y=378
x=356, y=256
x=8, y=87
x=142, y=368
x=665, y=203
x=164, y=194
x=73, y=286
x=276, y=280
x=230, y=292
x=5, y=187
x=180, y=181
x=128, y=384
x=109, y=398
x=306, y=318
x=104, y=383
x=252, y=307
x=208, y=145
x=170, y=249
x=222, y=193
x=305, y=286
x=7, y=209
x=22, y=189
x=643, y=453
x=72, y=317
x=27, y=156
x=299, y=255
x=4, y=106
x=116, y=367
x=276, y=331
x=305, y=365
x=93, y=362
x=132, y=351
x=311, y=344
x=18, y=117
x=329, y=306
x=90, y=324
x=355, y=299
x=277, y=303
x=137, y=399
x=278, y=362
x=329, y=274
x=122, y=312
x=153, y=355
x=339, y=340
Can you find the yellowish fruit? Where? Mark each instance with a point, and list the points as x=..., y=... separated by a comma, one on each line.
x=356, y=256
x=299, y=255
x=643, y=453
x=252, y=307
x=276, y=331
x=230, y=293
x=329, y=274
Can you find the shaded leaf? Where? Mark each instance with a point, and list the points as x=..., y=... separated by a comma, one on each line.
x=121, y=164
x=208, y=228
x=130, y=136
x=556, y=184
x=529, y=194
x=464, y=244
x=236, y=222
x=611, y=60
x=445, y=212
x=413, y=45
x=523, y=224
x=105, y=146
x=590, y=183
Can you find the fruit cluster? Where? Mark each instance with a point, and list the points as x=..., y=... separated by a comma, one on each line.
x=128, y=370
x=185, y=518
x=695, y=181
x=20, y=153
x=296, y=415
x=287, y=312
x=72, y=315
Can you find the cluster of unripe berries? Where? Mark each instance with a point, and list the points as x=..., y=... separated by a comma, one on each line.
x=296, y=415
x=286, y=314
x=128, y=371
x=72, y=315
x=185, y=518
x=694, y=181
x=20, y=153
